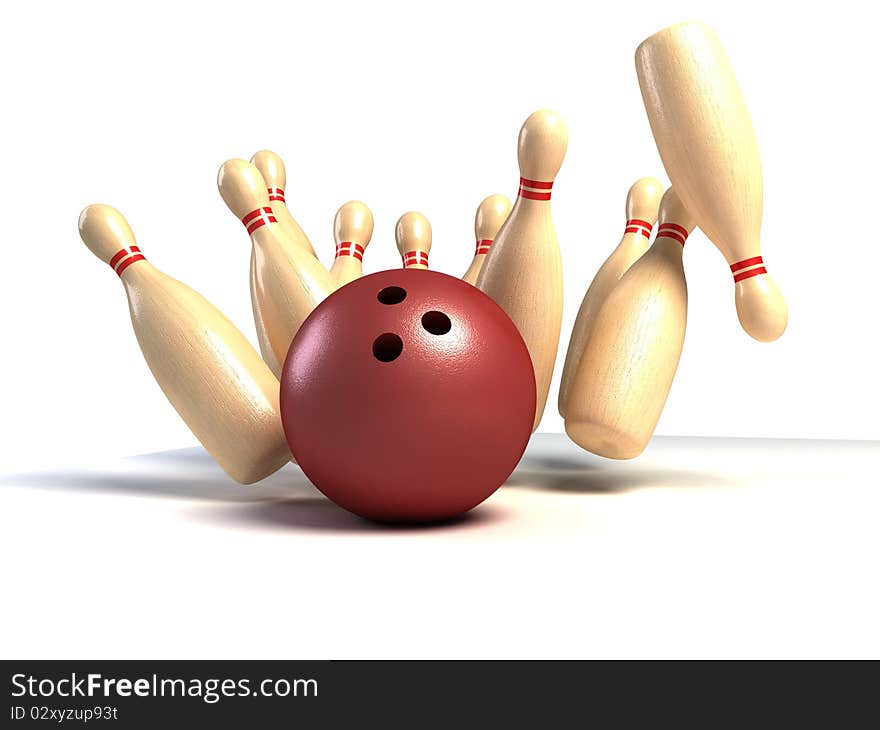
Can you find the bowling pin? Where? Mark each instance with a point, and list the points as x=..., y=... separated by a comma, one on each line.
x=287, y=283
x=272, y=169
x=523, y=270
x=413, y=236
x=629, y=360
x=642, y=203
x=260, y=326
x=352, y=231
x=208, y=370
x=707, y=144
x=491, y=214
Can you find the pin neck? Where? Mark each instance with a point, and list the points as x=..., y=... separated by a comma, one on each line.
x=534, y=189
x=257, y=218
x=747, y=268
x=483, y=246
x=275, y=194
x=636, y=225
x=348, y=248
x=124, y=258
x=673, y=231
x=415, y=258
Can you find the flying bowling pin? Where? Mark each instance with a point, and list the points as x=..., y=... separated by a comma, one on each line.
x=208, y=370
x=707, y=144
x=491, y=214
x=271, y=167
x=352, y=231
x=413, y=236
x=642, y=203
x=523, y=270
x=629, y=360
x=287, y=283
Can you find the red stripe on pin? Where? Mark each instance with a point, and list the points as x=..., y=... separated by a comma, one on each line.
x=538, y=184
x=666, y=227
x=122, y=254
x=637, y=229
x=347, y=248
x=260, y=222
x=524, y=192
x=276, y=194
x=117, y=257
x=483, y=245
x=414, y=258
x=748, y=274
x=746, y=263
x=531, y=195
x=257, y=218
x=129, y=261
x=673, y=231
x=256, y=214
x=635, y=225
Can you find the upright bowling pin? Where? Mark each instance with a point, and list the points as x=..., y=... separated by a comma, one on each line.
x=642, y=203
x=352, y=231
x=523, y=270
x=208, y=370
x=413, y=236
x=491, y=214
x=707, y=144
x=272, y=169
x=287, y=282
x=630, y=358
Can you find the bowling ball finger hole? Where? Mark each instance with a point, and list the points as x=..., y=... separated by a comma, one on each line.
x=436, y=323
x=391, y=295
x=387, y=347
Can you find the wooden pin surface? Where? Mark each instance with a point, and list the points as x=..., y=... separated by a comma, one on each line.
x=523, y=270
x=642, y=204
x=630, y=358
x=352, y=231
x=491, y=214
x=286, y=282
x=706, y=141
x=413, y=236
x=205, y=366
x=272, y=169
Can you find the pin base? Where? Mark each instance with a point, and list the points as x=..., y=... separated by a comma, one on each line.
x=604, y=440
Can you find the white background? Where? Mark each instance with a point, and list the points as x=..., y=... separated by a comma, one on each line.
x=417, y=106
x=698, y=548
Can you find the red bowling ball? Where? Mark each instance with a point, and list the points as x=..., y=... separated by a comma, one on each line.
x=408, y=396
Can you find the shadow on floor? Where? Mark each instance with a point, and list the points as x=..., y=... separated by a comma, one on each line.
x=183, y=473
x=287, y=498
x=554, y=463
x=319, y=514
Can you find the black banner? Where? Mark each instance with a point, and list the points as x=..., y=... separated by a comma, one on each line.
x=263, y=694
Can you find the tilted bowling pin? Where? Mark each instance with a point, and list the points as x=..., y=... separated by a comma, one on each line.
x=707, y=144
x=642, y=203
x=271, y=167
x=523, y=270
x=260, y=325
x=491, y=214
x=629, y=360
x=208, y=370
x=287, y=282
x=413, y=236
x=352, y=231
